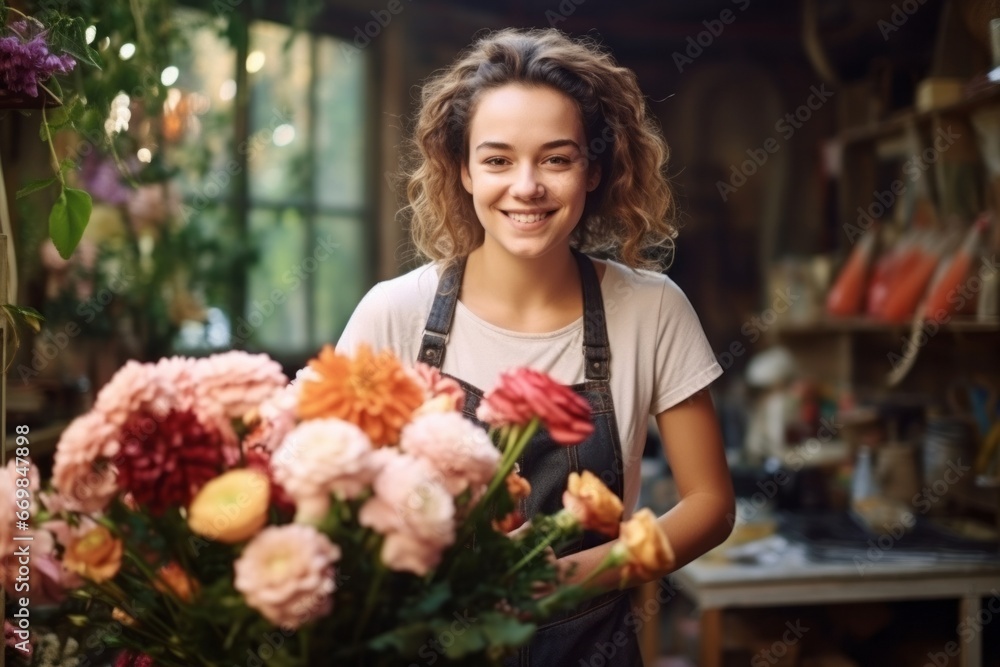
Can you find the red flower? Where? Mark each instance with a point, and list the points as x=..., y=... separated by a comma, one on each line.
x=164, y=461
x=522, y=394
x=132, y=659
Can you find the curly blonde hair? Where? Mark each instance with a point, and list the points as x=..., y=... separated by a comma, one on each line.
x=627, y=217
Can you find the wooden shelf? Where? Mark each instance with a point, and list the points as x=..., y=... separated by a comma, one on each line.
x=866, y=325
x=898, y=122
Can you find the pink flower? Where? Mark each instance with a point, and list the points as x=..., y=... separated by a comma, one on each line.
x=320, y=458
x=436, y=385
x=275, y=418
x=413, y=511
x=81, y=474
x=461, y=452
x=237, y=381
x=286, y=573
x=522, y=394
x=133, y=388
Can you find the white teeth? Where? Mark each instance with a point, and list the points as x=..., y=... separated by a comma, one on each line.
x=522, y=218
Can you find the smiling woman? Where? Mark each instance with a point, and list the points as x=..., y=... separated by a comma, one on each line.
x=531, y=150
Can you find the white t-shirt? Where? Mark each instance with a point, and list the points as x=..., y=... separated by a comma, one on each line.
x=659, y=353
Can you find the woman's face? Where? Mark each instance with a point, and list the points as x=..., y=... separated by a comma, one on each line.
x=527, y=169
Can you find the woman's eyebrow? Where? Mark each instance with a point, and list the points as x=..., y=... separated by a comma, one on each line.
x=501, y=146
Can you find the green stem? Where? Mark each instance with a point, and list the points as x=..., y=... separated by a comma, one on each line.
x=52, y=146
x=370, y=599
x=539, y=548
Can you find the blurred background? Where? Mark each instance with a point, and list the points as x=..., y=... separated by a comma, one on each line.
x=837, y=171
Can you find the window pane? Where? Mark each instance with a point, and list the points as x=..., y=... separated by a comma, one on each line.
x=277, y=292
x=340, y=278
x=198, y=123
x=340, y=125
x=279, y=77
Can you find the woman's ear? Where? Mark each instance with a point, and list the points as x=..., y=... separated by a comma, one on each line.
x=466, y=177
x=593, y=175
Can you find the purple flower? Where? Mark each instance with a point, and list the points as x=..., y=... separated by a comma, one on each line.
x=25, y=59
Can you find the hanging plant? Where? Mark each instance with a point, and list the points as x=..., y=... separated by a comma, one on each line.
x=34, y=52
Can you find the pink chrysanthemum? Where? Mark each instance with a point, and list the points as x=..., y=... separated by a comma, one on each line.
x=286, y=573
x=436, y=385
x=414, y=512
x=459, y=450
x=237, y=381
x=135, y=387
x=320, y=458
x=81, y=474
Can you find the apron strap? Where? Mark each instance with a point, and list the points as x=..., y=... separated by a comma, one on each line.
x=596, y=349
x=595, y=329
x=438, y=326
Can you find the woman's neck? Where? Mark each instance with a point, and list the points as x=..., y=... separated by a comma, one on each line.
x=527, y=295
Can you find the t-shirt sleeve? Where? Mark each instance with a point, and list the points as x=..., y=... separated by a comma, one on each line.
x=684, y=361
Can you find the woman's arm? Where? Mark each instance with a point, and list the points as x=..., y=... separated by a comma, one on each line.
x=692, y=443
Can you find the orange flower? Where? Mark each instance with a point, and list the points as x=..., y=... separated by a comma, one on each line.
x=508, y=523
x=648, y=551
x=592, y=503
x=97, y=555
x=374, y=392
x=518, y=487
x=172, y=577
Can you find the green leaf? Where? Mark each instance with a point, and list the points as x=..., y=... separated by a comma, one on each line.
x=69, y=217
x=501, y=629
x=30, y=316
x=35, y=186
x=407, y=639
x=3, y=13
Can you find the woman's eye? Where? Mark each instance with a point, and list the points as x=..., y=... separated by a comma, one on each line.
x=495, y=161
x=558, y=159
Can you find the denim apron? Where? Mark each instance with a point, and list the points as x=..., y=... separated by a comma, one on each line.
x=593, y=633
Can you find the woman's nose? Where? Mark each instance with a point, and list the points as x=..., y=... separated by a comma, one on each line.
x=527, y=185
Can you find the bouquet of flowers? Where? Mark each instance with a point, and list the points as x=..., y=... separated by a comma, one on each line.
x=208, y=512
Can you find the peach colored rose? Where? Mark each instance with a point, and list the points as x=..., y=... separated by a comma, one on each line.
x=96, y=555
x=592, y=503
x=506, y=524
x=122, y=617
x=648, y=551
x=173, y=578
x=232, y=507
x=286, y=573
x=522, y=394
x=414, y=513
x=459, y=450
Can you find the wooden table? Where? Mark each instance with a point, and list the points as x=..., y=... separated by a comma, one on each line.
x=715, y=586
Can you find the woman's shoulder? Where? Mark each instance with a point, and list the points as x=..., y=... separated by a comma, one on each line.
x=642, y=284
x=417, y=284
